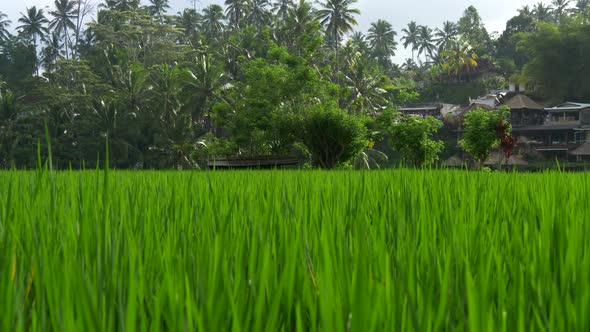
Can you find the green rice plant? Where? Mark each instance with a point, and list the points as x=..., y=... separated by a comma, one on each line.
x=392, y=250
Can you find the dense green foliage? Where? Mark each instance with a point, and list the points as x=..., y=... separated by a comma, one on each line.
x=482, y=132
x=306, y=251
x=413, y=137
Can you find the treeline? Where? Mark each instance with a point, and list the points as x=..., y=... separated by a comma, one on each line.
x=252, y=78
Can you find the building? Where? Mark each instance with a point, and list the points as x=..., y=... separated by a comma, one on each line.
x=422, y=110
x=555, y=132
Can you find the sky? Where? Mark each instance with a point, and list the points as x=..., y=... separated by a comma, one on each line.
x=398, y=12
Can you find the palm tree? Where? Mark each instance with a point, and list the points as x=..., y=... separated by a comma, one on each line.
x=297, y=24
x=359, y=43
x=52, y=52
x=338, y=18
x=410, y=37
x=121, y=5
x=542, y=13
x=158, y=7
x=560, y=7
x=206, y=84
x=64, y=15
x=525, y=11
x=445, y=35
x=4, y=24
x=367, y=88
x=189, y=21
x=382, y=40
x=33, y=26
x=459, y=58
x=258, y=15
x=212, y=21
x=425, y=42
x=235, y=11
x=281, y=9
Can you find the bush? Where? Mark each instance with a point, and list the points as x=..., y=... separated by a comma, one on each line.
x=332, y=136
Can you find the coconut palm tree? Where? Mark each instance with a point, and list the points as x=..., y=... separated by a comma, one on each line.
x=337, y=16
x=52, y=52
x=212, y=21
x=425, y=42
x=64, y=15
x=121, y=5
x=525, y=11
x=235, y=11
x=33, y=26
x=582, y=5
x=258, y=15
x=410, y=37
x=560, y=6
x=459, y=58
x=189, y=21
x=358, y=41
x=445, y=35
x=158, y=7
x=543, y=13
x=281, y=8
x=4, y=24
x=381, y=37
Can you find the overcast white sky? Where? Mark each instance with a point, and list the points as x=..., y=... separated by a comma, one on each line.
x=399, y=12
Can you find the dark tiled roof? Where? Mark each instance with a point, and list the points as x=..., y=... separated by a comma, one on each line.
x=522, y=102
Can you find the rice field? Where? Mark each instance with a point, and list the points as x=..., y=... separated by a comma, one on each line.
x=396, y=250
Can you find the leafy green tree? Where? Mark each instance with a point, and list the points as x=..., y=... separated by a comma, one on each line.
x=472, y=30
x=412, y=136
x=368, y=87
x=381, y=37
x=64, y=16
x=302, y=30
x=8, y=136
x=558, y=66
x=410, y=38
x=481, y=132
x=333, y=136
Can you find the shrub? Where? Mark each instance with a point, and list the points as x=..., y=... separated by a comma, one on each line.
x=332, y=136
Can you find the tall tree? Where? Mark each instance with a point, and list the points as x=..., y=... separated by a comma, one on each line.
x=121, y=5
x=189, y=21
x=158, y=7
x=410, y=38
x=471, y=28
x=52, y=52
x=33, y=26
x=64, y=15
x=337, y=16
x=381, y=37
x=4, y=24
x=359, y=42
x=425, y=42
x=212, y=21
x=445, y=35
x=542, y=12
x=235, y=11
x=560, y=6
x=281, y=9
x=258, y=14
